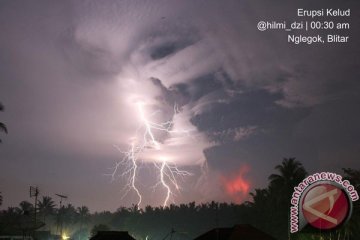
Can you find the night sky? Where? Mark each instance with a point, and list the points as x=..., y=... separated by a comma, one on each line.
x=72, y=73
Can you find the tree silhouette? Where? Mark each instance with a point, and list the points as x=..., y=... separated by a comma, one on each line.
x=69, y=214
x=26, y=207
x=3, y=127
x=291, y=173
x=46, y=206
x=353, y=226
x=267, y=211
x=99, y=227
x=273, y=203
x=84, y=214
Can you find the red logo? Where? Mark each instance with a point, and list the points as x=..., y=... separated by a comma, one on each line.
x=325, y=206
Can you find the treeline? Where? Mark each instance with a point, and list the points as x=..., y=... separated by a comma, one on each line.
x=268, y=210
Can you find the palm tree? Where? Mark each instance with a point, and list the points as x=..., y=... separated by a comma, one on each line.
x=260, y=197
x=291, y=173
x=46, y=206
x=26, y=207
x=69, y=214
x=281, y=187
x=84, y=213
x=2, y=125
x=261, y=205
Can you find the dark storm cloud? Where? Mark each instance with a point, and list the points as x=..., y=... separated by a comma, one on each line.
x=70, y=71
x=167, y=48
x=163, y=51
x=175, y=95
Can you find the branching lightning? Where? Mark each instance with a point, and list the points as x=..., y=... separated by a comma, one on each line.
x=146, y=139
x=168, y=190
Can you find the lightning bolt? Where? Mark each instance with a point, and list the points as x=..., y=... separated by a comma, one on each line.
x=130, y=170
x=168, y=171
x=168, y=192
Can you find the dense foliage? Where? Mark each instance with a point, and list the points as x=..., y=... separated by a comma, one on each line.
x=268, y=210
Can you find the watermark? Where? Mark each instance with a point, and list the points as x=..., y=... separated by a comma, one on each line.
x=312, y=26
x=323, y=200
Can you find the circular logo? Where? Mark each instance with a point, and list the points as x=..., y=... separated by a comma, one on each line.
x=325, y=206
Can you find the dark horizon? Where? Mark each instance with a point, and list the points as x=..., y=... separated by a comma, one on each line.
x=266, y=214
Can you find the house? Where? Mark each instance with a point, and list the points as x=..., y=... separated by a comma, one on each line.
x=238, y=232
x=112, y=235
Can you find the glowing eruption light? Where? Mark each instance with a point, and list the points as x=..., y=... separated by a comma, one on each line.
x=237, y=187
x=146, y=139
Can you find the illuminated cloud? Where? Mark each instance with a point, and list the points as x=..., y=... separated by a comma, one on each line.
x=184, y=145
x=244, y=132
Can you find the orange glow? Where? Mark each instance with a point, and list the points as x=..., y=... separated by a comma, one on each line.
x=236, y=186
